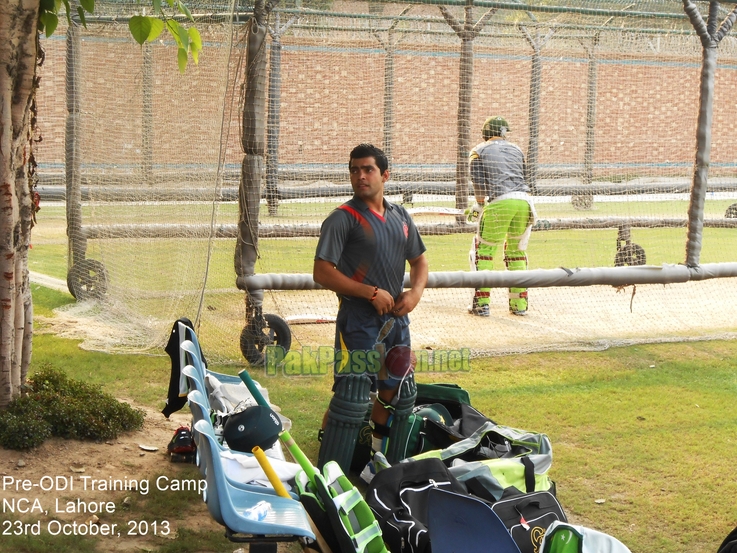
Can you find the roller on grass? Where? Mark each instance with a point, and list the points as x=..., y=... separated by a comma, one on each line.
x=337, y=508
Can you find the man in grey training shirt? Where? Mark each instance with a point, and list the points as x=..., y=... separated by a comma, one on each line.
x=505, y=208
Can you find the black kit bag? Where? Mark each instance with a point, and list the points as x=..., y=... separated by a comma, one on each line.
x=398, y=497
x=183, y=329
x=451, y=418
x=527, y=516
x=729, y=545
x=439, y=435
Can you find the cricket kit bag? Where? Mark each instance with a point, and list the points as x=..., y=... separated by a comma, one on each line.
x=528, y=516
x=496, y=457
x=442, y=415
x=567, y=538
x=458, y=420
x=729, y=545
x=398, y=497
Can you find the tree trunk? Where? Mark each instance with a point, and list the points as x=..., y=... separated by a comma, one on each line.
x=18, y=53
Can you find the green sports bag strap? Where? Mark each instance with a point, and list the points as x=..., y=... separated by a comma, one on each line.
x=529, y=473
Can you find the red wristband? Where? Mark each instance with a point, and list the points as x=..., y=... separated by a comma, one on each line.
x=376, y=293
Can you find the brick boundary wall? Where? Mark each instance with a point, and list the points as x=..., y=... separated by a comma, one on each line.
x=332, y=98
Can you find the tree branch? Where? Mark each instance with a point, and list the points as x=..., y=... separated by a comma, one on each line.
x=396, y=21
x=481, y=23
x=528, y=36
x=547, y=37
x=726, y=25
x=452, y=21
x=697, y=21
x=379, y=38
x=711, y=22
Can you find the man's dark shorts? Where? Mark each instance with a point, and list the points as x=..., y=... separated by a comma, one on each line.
x=356, y=331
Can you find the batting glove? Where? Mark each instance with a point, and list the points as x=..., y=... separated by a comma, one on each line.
x=474, y=213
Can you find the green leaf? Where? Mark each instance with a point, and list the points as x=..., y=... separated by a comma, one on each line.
x=185, y=11
x=183, y=38
x=57, y=6
x=46, y=6
x=173, y=28
x=140, y=28
x=182, y=59
x=88, y=5
x=82, y=18
x=69, y=12
x=157, y=6
x=50, y=21
x=171, y=3
x=195, y=43
x=157, y=27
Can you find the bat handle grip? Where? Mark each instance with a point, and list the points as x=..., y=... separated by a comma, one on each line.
x=269, y=472
x=298, y=455
x=251, y=385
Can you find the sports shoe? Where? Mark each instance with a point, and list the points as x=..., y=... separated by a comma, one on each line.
x=519, y=313
x=479, y=310
x=182, y=441
x=378, y=462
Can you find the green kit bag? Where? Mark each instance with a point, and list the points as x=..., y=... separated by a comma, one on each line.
x=496, y=457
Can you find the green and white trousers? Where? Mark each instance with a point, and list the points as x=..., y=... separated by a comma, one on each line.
x=506, y=222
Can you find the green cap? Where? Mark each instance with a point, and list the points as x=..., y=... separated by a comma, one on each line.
x=435, y=412
x=495, y=126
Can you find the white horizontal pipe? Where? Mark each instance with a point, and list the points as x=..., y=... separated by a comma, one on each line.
x=537, y=278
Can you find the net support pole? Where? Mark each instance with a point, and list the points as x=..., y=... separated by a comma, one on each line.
x=467, y=32
x=389, y=45
x=272, y=127
x=536, y=76
x=389, y=100
x=77, y=243
x=588, y=158
x=273, y=119
x=710, y=38
x=147, y=115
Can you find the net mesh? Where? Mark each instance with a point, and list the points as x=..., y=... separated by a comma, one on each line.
x=611, y=123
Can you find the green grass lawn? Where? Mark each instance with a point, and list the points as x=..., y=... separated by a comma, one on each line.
x=643, y=437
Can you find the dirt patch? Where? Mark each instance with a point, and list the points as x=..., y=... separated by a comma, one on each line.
x=63, y=482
